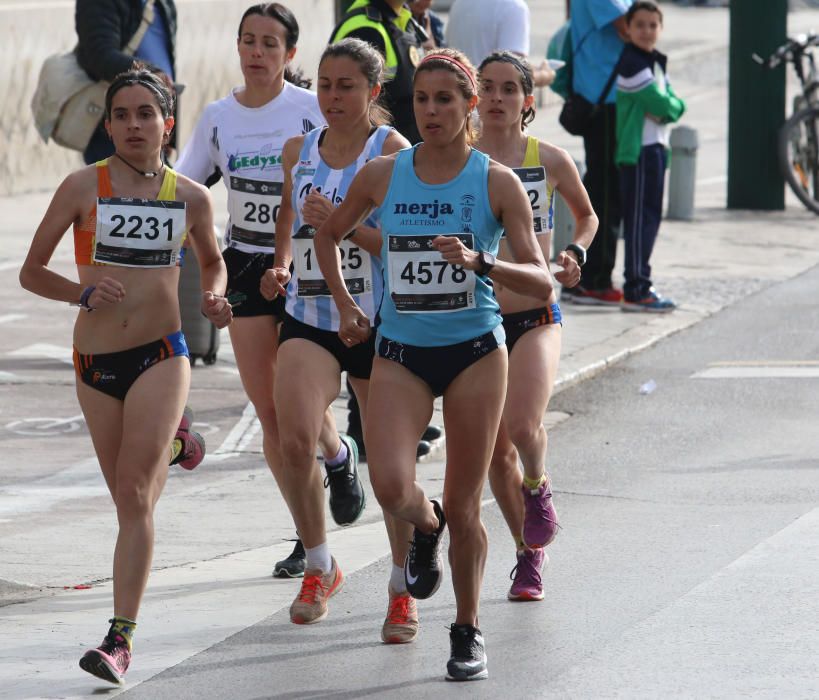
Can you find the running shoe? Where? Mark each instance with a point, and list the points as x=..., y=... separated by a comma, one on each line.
x=293, y=566
x=423, y=449
x=109, y=661
x=424, y=566
x=652, y=303
x=526, y=581
x=310, y=604
x=591, y=297
x=432, y=433
x=467, y=661
x=401, y=623
x=347, y=498
x=188, y=447
x=540, y=523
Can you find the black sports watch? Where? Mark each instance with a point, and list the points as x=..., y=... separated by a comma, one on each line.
x=487, y=262
x=579, y=251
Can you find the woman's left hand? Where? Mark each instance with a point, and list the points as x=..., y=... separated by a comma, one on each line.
x=569, y=276
x=316, y=210
x=217, y=309
x=455, y=252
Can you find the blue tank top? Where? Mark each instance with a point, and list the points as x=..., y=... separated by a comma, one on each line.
x=308, y=296
x=427, y=301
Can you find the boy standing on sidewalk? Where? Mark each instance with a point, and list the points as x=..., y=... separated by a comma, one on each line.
x=646, y=105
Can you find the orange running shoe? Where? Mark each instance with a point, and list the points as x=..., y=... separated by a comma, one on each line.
x=310, y=604
x=401, y=623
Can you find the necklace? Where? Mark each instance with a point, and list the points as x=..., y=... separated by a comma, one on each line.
x=144, y=173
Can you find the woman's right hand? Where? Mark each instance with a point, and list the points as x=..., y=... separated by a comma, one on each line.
x=107, y=292
x=354, y=326
x=273, y=282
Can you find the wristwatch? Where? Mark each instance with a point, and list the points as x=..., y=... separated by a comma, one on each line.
x=486, y=261
x=579, y=251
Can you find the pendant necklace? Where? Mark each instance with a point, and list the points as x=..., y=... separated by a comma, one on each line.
x=144, y=173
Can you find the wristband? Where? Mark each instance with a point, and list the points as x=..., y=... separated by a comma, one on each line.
x=85, y=296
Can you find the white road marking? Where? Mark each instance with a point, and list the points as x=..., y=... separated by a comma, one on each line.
x=238, y=438
x=8, y=318
x=773, y=371
x=53, y=352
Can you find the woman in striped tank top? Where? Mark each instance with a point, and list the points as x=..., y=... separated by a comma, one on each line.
x=131, y=215
x=533, y=330
x=318, y=169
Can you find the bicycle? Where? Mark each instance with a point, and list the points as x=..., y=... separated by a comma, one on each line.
x=798, y=143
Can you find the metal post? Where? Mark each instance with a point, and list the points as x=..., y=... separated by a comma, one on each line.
x=756, y=106
x=683, y=176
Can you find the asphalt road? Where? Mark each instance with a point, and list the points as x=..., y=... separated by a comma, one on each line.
x=686, y=566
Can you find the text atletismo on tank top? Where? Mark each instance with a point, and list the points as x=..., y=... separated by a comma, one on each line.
x=427, y=301
x=244, y=145
x=308, y=296
x=541, y=194
x=130, y=231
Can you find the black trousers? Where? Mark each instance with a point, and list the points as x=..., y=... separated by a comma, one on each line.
x=602, y=181
x=642, y=188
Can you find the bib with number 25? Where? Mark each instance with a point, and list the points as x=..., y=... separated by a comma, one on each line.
x=134, y=232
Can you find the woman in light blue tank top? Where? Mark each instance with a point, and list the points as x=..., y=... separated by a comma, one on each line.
x=319, y=168
x=533, y=329
x=442, y=207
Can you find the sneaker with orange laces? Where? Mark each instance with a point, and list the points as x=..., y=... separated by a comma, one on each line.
x=310, y=604
x=401, y=623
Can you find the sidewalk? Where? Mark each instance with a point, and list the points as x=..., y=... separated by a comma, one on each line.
x=217, y=582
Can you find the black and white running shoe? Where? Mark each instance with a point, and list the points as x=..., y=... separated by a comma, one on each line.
x=467, y=661
x=347, y=498
x=424, y=566
x=293, y=566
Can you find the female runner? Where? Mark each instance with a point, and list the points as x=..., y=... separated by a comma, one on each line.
x=442, y=207
x=130, y=215
x=533, y=329
x=318, y=170
x=241, y=138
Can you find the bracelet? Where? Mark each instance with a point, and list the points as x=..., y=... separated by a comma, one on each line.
x=85, y=296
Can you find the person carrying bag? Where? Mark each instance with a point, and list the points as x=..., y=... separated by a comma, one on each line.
x=68, y=104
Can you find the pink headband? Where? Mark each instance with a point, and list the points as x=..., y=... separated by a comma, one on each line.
x=455, y=62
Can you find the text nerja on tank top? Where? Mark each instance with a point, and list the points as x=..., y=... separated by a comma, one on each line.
x=129, y=231
x=245, y=144
x=426, y=301
x=308, y=297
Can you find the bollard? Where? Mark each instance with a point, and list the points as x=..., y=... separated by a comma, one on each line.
x=563, y=233
x=683, y=175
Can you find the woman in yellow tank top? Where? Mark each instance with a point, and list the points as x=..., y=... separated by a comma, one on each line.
x=533, y=331
x=130, y=216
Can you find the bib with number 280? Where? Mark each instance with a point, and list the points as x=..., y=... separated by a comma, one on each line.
x=253, y=206
x=534, y=181
x=356, y=266
x=421, y=281
x=134, y=232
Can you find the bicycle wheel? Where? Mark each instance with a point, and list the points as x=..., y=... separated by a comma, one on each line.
x=799, y=156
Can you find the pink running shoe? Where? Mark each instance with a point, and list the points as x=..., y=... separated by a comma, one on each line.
x=188, y=447
x=109, y=661
x=526, y=581
x=540, y=523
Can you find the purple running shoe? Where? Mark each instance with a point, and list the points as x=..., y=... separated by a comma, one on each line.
x=109, y=661
x=540, y=523
x=526, y=581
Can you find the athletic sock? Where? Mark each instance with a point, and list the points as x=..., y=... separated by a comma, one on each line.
x=319, y=558
x=398, y=581
x=124, y=627
x=341, y=456
x=533, y=484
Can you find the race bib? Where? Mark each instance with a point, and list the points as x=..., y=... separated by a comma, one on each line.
x=254, y=207
x=534, y=181
x=139, y=232
x=356, y=266
x=421, y=281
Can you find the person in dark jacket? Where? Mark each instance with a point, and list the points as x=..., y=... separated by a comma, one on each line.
x=104, y=28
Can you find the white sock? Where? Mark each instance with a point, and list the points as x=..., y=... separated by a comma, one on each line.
x=319, y=558
x=341, y=456
x=397, y=580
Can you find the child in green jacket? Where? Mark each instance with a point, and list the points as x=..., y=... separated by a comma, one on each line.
x=646, y=105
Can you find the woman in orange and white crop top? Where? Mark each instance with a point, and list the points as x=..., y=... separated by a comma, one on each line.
x=130, y=215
